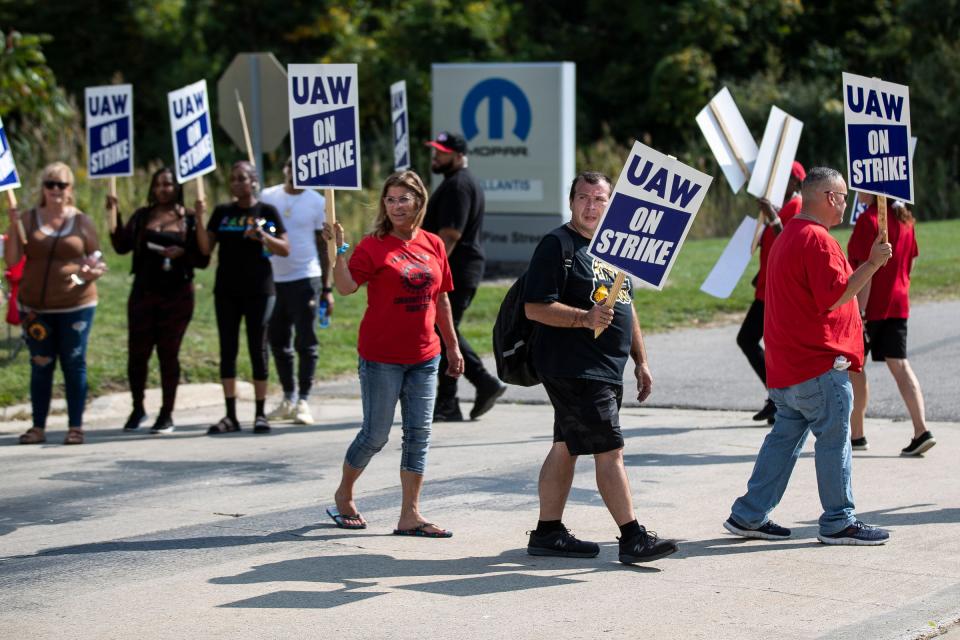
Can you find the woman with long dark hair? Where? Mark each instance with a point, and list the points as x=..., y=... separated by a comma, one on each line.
x=248, y=231
x=168, y=241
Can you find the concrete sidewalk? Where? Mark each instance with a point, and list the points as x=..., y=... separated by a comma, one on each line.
x=224, y=537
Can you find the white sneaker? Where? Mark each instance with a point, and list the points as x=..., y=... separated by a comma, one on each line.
x=302, y=413
x=284, y=411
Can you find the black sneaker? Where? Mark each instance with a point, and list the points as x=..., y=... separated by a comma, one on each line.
x=645, y=547
x=769, y=530
x=448, y=416
x=137, y=417
x=919, y=445
x=769, y=410
x=487, y=396
x=857, y=534
x=561, y=543
x=164, y=424
x=859, y=444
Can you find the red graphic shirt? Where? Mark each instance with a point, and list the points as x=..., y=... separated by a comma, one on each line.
x=404, y=280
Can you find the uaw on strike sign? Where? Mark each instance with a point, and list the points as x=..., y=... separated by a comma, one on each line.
x=649, y=214
x=192, y=138
x=324, y=125
x=109, y=119
x=877, y=117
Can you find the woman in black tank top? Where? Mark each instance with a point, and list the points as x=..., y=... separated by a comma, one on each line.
x=167, y=242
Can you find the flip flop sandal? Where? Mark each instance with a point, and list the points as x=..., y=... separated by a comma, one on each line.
x=344, y=521
x=74, y=436
x=34, y=435
x=226, y=425
x=421, y=531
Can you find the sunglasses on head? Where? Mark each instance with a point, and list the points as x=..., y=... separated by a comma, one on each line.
x=55, y=184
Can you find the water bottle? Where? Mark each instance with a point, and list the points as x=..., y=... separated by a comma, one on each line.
x=322, y=316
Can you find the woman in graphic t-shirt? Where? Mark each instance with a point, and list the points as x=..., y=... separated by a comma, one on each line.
x=58, y=296
x=407, y=275
x=885, y=307
x=247, y=231
x=167, y=241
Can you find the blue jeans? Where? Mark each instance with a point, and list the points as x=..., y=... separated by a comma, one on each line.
x=821, y=405
x=381, y=385
x=66, y=339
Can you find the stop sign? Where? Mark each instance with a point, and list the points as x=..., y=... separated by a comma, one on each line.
x=262, y=85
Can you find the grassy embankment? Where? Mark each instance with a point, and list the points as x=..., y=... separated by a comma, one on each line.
x=680, y=304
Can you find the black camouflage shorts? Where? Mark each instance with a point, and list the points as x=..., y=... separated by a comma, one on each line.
x=586, y=414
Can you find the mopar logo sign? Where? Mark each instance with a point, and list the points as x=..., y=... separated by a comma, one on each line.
x=495, y=92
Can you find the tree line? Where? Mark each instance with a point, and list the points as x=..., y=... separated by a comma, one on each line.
x=644, y=68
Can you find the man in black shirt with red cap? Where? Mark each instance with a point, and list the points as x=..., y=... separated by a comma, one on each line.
x=455, y=213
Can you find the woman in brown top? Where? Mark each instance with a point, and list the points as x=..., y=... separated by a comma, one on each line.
x=58, y=296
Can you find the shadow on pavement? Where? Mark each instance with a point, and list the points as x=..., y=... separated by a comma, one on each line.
x=512, y=570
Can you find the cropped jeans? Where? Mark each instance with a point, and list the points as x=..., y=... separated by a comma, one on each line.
x=381, y=385
x=63, y=337
x=821, y=405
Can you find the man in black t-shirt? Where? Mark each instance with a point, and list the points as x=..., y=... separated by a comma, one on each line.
x=455, y=213
x=583, y=376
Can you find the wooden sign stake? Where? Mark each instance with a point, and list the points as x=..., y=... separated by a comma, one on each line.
x=112, y=212
x=246, y=131
x=201, y=193
x=12, y=203
x=729, y=138
x=882, y=217
x=757, y=234
x=612, y=297
x=331, y=211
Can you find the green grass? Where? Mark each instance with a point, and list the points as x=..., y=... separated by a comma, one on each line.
x=680, y=304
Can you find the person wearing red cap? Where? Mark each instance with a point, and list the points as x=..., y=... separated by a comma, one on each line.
x=751, y=331
x=455, y=213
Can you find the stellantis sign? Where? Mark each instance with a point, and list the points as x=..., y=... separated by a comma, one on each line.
x=518, y=120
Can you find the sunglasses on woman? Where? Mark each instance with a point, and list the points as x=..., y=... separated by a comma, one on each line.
x=55, y=184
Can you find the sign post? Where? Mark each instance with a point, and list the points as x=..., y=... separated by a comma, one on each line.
x=774, y=161
x=9, y=180
x=324, y=130
x=192, y=134
x=651, y=209
x=877, y=119
x=400, y=123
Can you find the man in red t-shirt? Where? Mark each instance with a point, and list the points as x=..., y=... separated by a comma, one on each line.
x=751, y=331
x=812, y=335
x=885, y=305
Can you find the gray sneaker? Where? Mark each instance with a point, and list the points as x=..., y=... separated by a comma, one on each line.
x=769, y=530
x=857, y=534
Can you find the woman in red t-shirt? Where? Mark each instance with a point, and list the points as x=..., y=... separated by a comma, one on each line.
x=885, y=306
x=407, y=275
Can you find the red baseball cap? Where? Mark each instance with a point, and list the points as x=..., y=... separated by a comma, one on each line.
x=798, y=172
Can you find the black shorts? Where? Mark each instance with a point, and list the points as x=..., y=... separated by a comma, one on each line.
x=886, y=339
x=586, y=414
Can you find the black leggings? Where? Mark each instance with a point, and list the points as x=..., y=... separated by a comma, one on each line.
x=255, y=310
x=157, y=319
x=751, y=332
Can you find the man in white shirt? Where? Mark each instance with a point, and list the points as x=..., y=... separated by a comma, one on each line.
x=302, y=282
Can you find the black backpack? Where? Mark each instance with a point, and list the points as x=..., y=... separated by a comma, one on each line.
x=514, y=333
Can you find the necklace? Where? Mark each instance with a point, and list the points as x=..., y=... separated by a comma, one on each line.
x=289, y=201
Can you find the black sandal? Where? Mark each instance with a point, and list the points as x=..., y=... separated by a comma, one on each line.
x=226, y=425
x=261, y=425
